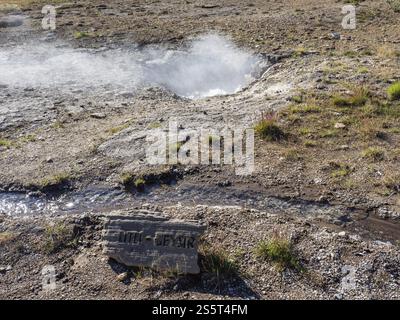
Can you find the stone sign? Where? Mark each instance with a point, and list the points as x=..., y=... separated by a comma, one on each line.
x=153, y=241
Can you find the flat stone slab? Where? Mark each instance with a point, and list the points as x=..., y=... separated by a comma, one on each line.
x=149, y=240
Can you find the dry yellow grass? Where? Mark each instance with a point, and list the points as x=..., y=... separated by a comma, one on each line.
x=387, y=51
x=6, y=237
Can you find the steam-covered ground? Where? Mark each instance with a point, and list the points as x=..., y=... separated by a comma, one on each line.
x=206, y=66
x=76, y=106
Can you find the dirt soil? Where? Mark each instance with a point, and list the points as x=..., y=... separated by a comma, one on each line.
x=330, y=186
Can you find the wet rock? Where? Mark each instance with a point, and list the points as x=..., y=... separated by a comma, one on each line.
x=11, y=22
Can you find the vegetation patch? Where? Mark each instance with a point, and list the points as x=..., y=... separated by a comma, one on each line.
x=308, y=108
x=280, y=251
x=267, y=128
x=340, y=170
x=293, y=154
x=129, y=180
x=358, y=98
x=216, y=261
x=81, y=34
x=394, y=4
x=138, y=181
x=374, y=153
x=59, y=236
x=392, y=182
x=6, y=237
x=55, y=182
x=394, y=91
x=6, y=143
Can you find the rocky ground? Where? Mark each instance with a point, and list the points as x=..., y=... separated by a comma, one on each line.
x=328, y=184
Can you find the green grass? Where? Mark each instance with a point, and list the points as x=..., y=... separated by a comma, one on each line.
x=394, y=91
x=341, y=171
x=299, y=52
x=117, y=129
x=292, y=155
x=6, y=143
x=374, y=153
x=310, y=143
x=329, y=133
x=362, y=70
x=305, y=131
x=394, y=4
x=58, y=236
x=357, y=99
x=297, y=99
x=128, y=180
x=279, y=251
x=216, y=260
x=392, y=182
x=58, y=125
x=381, y=109
x=81, y=34
x=309, y=108
x=154, y=125
x=139, y=183
x=55, y=180
x=6, y=237
x=268, y=129
x=29, y=138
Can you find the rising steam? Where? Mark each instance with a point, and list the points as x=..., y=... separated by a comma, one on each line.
x=210, y=65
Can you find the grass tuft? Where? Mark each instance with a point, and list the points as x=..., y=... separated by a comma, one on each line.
x=6, y=237
x=6, y=143
x=267, y=128
x=80, y=34
x=357, y=99
x=58, y=236
x=280, y=251
x=394, y=91
x=374, y=153
x=216, y=261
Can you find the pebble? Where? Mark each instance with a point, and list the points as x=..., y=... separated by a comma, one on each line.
x=335, y=35
x=340, y=125
x=122, y=276
x=98, y=115
x=5, y=268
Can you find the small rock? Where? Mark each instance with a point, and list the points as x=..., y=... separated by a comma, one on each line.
x=338, y=296
x=5, y=268
x=342, y=234
x=335, y=36
x=98, y=115
x=122, y=276
x=340, y=125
